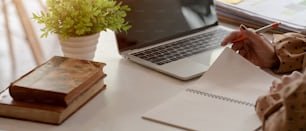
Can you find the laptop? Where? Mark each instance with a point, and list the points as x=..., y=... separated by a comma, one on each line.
x=180, y=38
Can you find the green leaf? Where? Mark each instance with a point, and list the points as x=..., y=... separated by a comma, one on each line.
x=69, y=18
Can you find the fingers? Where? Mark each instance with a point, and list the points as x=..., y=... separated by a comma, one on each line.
x=236, y=34
x=252, y=36
x=296, y=75
x=258, y=39
x=243, y=53
x=293, y=76
x=276, y=85
x=228, y=39
x=263, y=37
x=288, y=78
x=285, y=80
x=248, y=32
x=237, y=46
x=241, y=47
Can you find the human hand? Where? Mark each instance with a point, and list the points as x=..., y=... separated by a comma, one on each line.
x=255, y=47
x=285, y=80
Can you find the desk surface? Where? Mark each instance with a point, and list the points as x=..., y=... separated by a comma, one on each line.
x=131, y=91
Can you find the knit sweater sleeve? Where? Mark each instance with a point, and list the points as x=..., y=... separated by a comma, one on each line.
x=290, y=48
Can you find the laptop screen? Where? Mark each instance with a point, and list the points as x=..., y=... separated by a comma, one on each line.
x=155, y=21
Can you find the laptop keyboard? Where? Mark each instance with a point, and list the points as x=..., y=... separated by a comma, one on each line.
x=183, y=48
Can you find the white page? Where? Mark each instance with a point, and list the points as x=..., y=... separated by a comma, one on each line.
x=231, y=78
x=289, y=12
x=236, y=77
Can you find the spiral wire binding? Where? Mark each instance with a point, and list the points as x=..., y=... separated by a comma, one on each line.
x=223, y=98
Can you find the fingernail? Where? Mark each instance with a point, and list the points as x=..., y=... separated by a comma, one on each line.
x=243, y=27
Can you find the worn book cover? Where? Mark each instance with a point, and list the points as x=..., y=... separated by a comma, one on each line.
x=58, y=81
x=45, y=113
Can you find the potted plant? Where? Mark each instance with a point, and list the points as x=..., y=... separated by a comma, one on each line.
x=81, y=21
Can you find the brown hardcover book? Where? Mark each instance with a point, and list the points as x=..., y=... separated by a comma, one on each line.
x=45, y=113
x=58, y=81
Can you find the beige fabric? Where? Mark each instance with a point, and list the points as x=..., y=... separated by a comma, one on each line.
x=285, y=109
x=290, y=49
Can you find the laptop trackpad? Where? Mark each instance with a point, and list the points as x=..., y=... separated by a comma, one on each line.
x=208, y=57
x=185, y=69
x=193, y=66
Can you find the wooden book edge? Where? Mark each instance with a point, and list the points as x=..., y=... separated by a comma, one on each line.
x=42, y=112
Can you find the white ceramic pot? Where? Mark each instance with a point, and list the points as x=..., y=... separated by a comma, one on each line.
x=83, y=47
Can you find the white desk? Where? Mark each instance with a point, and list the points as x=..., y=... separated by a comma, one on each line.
x=131, y=91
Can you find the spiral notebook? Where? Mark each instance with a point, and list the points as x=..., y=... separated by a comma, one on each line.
x=223, y=99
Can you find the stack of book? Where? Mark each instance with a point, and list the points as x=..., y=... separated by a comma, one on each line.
x=53, y=91
x=258, y=13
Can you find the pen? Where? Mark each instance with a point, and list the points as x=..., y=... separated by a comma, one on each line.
x=260, y=30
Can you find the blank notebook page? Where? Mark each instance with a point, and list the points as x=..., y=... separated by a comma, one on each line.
x=222, y=99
